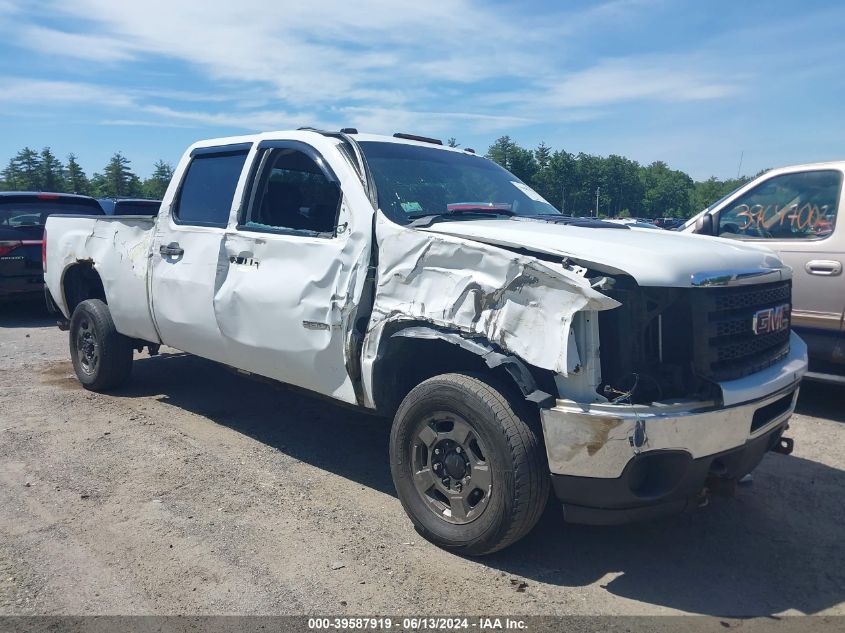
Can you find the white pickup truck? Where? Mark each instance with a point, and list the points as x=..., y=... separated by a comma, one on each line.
x=514, y=348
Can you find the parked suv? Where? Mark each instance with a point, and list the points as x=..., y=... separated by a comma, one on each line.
x=23, y=216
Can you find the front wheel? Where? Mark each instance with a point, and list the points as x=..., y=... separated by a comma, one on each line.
x=469, y=470
x=102, y=356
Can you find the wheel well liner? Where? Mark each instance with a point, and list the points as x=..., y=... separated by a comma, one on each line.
x=418, y=352
x=81, y=281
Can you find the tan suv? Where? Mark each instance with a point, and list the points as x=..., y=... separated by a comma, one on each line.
x=793, y=210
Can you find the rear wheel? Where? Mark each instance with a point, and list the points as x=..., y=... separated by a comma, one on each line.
x=102, y=357
x=469, y=469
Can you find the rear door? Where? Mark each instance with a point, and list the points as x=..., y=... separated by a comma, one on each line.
x=797, y=215
x=295, y=268
x=187, y=258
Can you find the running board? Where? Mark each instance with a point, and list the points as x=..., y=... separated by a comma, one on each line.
x=829, y=378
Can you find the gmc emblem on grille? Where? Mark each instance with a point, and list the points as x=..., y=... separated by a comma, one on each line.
x=770, y=320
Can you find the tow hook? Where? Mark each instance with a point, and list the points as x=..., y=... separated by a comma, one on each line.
x=784, y=446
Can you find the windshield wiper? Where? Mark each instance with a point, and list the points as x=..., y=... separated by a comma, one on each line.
x=426, y=219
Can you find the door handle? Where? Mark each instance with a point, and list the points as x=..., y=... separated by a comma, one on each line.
x=171, y=250
x=823, y=267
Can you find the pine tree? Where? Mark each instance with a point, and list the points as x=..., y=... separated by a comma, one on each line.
x=11, y=176
x=155, y=186
x=27, y=164
x=519, y=161
x=543, y=155
x=117, y=179
x=76, y=181
x=52, y=171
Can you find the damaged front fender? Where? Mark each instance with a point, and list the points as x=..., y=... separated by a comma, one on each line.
x=519, y=303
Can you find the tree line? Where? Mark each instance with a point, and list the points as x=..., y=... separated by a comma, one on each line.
x=575, y=183
x=31, y=170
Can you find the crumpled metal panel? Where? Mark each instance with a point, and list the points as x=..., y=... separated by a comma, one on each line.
x=118, y=249
x=520, y=303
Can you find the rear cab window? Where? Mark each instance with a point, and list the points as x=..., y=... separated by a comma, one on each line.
x=799, y=206
x=208, y=188
x=136, y=207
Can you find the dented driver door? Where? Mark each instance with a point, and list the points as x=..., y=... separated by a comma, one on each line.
x=295, y=266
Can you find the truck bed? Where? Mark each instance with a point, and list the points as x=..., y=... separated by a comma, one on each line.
x=118, y=248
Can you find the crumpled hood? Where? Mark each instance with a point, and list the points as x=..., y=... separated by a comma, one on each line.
x=653, y=257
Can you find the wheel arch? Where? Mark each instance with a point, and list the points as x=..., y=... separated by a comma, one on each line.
x=410, y=353
x=81, y=281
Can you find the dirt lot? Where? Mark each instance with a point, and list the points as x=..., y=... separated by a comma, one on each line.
x=195, y=490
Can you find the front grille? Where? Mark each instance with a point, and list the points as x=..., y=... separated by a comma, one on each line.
x=725, y=346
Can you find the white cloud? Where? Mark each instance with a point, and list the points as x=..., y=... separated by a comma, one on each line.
x=250, y=120
x=376, y=53
x=141, y=123
x=390, y=120
x=32, y=91
x=26, y=92
x=78, y=45
x=638, y=79
x=376, y=64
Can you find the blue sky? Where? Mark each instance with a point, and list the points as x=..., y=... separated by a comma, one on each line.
x=696, y=84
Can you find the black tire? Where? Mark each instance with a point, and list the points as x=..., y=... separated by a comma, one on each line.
x=102, y=357
x=508, y=442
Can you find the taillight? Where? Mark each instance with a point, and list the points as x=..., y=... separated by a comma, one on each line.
x=7, y=246
x=44, y=252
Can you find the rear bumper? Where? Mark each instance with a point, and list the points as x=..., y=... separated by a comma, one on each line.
x=20, y=273
x=27, y=286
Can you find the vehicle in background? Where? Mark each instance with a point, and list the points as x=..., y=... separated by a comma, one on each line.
x=23, y=215
x=130, y=206
x=669, y=223
x=632, y=223
x=794, y=211
x=516, y=349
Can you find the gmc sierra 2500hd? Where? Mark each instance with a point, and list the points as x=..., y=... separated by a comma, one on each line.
x=515, y=348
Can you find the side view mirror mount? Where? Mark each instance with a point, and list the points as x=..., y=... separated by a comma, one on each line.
x=704, y=224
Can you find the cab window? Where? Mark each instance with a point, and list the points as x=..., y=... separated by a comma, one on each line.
x=292, y=194
x=800, y=206
x=206, y=194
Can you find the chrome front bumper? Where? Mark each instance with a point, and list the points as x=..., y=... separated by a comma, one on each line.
x=599, y=440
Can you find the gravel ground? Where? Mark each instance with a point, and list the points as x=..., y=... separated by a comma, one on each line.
x=197, y=491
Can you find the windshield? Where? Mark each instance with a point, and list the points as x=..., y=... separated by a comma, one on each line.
x=20, y=212
x=414, y=181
